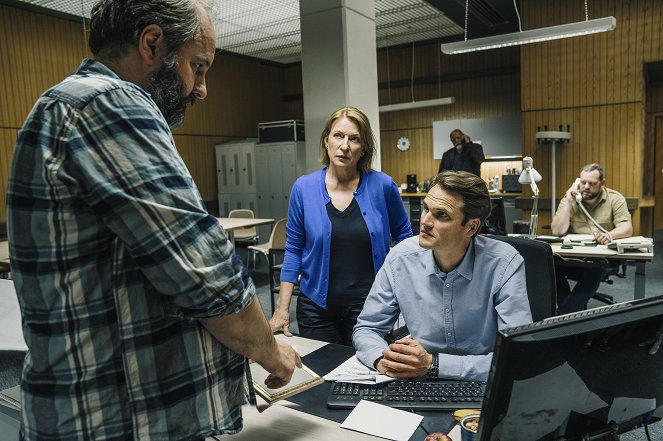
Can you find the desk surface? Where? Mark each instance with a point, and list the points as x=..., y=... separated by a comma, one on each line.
x=233, y=223
x=283, y=421
x=600, y=251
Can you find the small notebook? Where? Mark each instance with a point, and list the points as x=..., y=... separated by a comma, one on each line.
x=303, y=378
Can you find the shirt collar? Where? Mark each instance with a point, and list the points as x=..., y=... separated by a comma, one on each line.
x=464, y=269
x=92, y=67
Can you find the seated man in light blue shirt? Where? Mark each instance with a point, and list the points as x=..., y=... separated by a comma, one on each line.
x=455, y=290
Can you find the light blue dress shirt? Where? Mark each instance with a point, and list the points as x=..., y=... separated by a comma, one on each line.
x=455, y=314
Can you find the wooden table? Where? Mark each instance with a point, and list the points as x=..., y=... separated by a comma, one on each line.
x=233, y=223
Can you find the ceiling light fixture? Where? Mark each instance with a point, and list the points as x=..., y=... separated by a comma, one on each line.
x=417, y=104
x=530, y=36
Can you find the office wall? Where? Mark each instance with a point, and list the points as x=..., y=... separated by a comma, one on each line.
x=482, y=84
x=38, y=51
x=596, y=85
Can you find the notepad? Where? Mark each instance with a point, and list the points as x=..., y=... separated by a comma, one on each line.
x=302, y=379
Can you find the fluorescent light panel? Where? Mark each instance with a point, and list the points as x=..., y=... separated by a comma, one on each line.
x=417, y=104
x=532, y=36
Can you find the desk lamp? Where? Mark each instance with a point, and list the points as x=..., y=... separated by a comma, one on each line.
x=530, y=176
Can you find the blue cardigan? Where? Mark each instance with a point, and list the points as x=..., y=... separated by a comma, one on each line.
x=308, y=239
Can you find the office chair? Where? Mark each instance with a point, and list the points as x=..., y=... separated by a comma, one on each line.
x=276, y=241
x=539, y=274
x=617, y=269
x=244, y=236
x=495, y=223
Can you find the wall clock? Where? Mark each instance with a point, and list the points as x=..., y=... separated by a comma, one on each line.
x=403, y=144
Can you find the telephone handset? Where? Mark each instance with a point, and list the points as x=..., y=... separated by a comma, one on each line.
x=576, y=185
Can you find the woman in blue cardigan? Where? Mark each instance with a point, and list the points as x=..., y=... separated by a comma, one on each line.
x=341, y=221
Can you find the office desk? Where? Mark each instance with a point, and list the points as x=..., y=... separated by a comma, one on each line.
x=233, y=223
x=283, y=421
x=600, y=252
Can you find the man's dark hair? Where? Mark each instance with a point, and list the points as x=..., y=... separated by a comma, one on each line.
x=471, y=188
x=116, y=25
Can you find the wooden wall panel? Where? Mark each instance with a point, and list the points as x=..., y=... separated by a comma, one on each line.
x=7, y=140
x=35, y=53
x=482, y=85
x=38, y=51
x=596, y=85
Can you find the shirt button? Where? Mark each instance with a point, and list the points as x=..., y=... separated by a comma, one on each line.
x=449, y=334
x=446, y=310
x=447, y=285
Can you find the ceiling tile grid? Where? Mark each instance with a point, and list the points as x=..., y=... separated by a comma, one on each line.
x=270, y=30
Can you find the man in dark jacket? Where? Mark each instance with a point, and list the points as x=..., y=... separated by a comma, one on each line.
x=465, y=155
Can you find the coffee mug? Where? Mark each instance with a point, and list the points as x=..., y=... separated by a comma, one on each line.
x=468, y=427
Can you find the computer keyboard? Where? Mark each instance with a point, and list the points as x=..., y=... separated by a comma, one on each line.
x=414, y=394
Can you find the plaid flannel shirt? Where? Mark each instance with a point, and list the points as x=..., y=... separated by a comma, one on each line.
x=114, y=258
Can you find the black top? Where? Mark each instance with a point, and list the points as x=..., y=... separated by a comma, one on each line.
x=471, y=158
x=351, y=262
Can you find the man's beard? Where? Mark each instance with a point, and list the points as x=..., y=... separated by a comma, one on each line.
x=167, y=91
x=590, y=196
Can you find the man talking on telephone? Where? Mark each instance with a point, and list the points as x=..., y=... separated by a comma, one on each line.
x=600, y=211
x=465, y=155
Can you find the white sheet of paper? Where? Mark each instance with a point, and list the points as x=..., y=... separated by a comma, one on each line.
x=11, y=329
x=353, y=371
x=579, y=237
x=372, y=418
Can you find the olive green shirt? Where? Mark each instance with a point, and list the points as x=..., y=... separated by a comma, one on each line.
x=608, y=212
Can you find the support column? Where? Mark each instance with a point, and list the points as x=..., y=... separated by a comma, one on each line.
x=339, y=66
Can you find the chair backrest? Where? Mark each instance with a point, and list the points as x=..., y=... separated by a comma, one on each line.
x=539, y=274
x=242, y=212
x=244, y=233
x=277, y=238
x=495, y=223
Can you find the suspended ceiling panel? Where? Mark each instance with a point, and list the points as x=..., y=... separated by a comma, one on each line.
x=269, y=29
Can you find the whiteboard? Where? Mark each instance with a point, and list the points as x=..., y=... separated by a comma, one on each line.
x=499, y=136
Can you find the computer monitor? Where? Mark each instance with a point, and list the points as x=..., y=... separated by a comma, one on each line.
x=583, y=374
x=495, y=223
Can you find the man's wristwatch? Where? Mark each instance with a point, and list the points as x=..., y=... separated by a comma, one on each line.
x=434, y=368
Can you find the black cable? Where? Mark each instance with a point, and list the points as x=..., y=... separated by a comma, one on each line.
x=646, y=426
x=421, y=424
